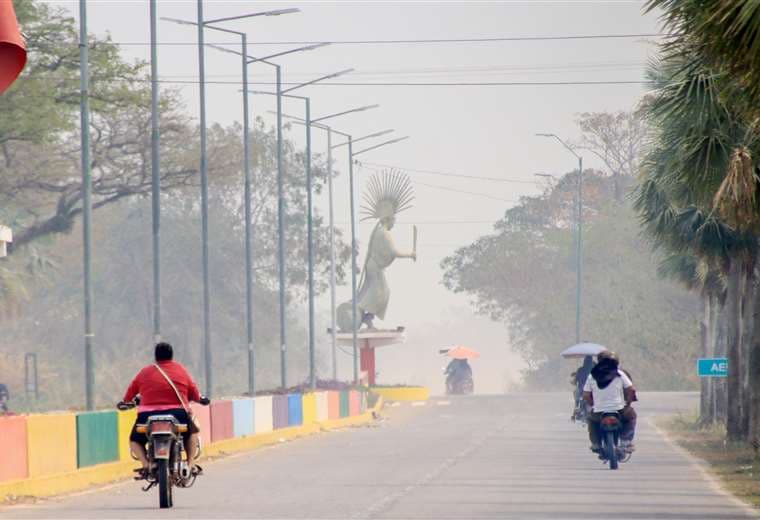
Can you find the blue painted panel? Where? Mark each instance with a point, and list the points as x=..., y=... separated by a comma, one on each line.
x=295, y=410
x=242, y=417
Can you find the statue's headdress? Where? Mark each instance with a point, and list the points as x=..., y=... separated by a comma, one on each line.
x=387, y=194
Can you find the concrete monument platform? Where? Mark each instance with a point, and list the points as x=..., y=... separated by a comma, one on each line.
x=367, y=341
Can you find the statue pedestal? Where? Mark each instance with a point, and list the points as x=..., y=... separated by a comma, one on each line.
x=368, y=341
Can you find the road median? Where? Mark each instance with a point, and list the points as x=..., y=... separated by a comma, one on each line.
x=71, y=480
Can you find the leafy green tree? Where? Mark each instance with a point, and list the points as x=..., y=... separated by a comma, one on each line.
x=523, y=274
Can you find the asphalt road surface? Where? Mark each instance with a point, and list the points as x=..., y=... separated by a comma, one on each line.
x=481, y=457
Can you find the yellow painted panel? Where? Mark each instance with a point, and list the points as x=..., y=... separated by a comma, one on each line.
x=126, y=420
x=51, y=443
x=402, y=393
x=309, y=408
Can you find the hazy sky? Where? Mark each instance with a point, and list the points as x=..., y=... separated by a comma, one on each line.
x=469, y=130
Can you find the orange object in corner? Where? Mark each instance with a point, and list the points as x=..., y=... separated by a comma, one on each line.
x=12, y=46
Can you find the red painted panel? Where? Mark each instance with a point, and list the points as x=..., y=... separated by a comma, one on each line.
x=203, y=418
x=13, y=448
x=333, y=404
x=222, y=426
x=354, y=403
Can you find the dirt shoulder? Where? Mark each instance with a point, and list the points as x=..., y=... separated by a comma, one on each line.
x=737, y=465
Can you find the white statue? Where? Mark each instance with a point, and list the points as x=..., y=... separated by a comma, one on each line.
x=386, y=196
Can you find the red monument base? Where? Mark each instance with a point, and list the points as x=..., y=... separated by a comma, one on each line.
x=367, y=342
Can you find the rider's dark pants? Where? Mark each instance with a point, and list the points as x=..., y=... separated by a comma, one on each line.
x=628, y=415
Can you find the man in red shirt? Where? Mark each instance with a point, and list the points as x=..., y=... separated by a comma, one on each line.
x=158, y=396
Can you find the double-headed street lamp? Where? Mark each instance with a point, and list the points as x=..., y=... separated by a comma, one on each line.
x=354, y=250
x=579, y=241
x=201, y=25
x=310, y=211
x=309, y=123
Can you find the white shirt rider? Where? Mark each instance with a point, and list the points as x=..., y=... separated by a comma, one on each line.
x=610, y=398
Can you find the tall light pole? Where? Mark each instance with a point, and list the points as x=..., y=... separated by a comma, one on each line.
x=318, y=123
x=155, y=172
x=280, y=188
x=354, y=251
x=201, y=24
x=579, y=241
x=84, y=110
x=309, y=213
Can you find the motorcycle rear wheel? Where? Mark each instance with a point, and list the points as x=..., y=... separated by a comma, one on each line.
x=164, y=485
x=612, y=455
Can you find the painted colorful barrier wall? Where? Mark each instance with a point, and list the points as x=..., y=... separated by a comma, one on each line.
x=53, y=444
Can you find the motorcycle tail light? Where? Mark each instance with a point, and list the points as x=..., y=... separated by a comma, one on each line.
x=610, y=421
x=161, y=427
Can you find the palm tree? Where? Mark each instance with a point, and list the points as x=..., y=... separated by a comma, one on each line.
x=726, y=32
x=697, y=192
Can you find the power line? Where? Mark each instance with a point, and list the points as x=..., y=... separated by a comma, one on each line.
x=416, y=84
x=496, y=39
x=469, y=70
x=444, y=174
x=474, y=194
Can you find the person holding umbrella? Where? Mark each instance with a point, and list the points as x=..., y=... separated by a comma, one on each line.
x=458, y=372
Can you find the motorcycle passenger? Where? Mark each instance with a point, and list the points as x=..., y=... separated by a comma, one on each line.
x=579, y=381
x=157, y=395
x=609, y=389
x=458, y=370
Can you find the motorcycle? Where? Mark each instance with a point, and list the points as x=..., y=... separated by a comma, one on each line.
x=463, y=386
x=611, y=451
x=168, y=467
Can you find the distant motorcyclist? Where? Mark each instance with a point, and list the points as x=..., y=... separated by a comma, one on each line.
x=157, y=395
x=609, y=389
x=457, y=371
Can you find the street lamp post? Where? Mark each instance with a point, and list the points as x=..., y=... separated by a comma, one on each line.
x=316, y=123
x=201, y=24
x=155, y=172
x=84, y=109
x=310, y=210
x=579, y=241
x=354, y=251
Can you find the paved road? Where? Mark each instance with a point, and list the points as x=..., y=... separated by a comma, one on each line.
x=500, y=457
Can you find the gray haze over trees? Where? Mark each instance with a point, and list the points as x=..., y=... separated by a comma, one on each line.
x=41, y=196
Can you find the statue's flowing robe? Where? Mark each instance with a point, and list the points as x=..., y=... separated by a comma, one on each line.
x=373, y=294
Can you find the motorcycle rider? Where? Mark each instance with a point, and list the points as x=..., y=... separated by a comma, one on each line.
x=579, y=381
x=457, y=370
x=157, y=395
x=610, y=389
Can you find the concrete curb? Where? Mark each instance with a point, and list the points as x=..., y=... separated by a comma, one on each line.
x=402, y=393
x=111, y=472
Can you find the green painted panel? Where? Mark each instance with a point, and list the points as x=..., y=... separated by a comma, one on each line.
x=97, y=438
x=344, y=409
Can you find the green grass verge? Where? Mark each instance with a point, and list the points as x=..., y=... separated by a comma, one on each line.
x=735, y=464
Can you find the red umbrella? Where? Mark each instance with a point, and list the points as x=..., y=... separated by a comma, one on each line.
x=12, y=47
x=462, y=352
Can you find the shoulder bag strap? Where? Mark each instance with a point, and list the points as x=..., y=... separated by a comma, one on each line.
x=185, y=406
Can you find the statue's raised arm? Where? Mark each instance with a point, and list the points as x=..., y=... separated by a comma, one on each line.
x=387, y=195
